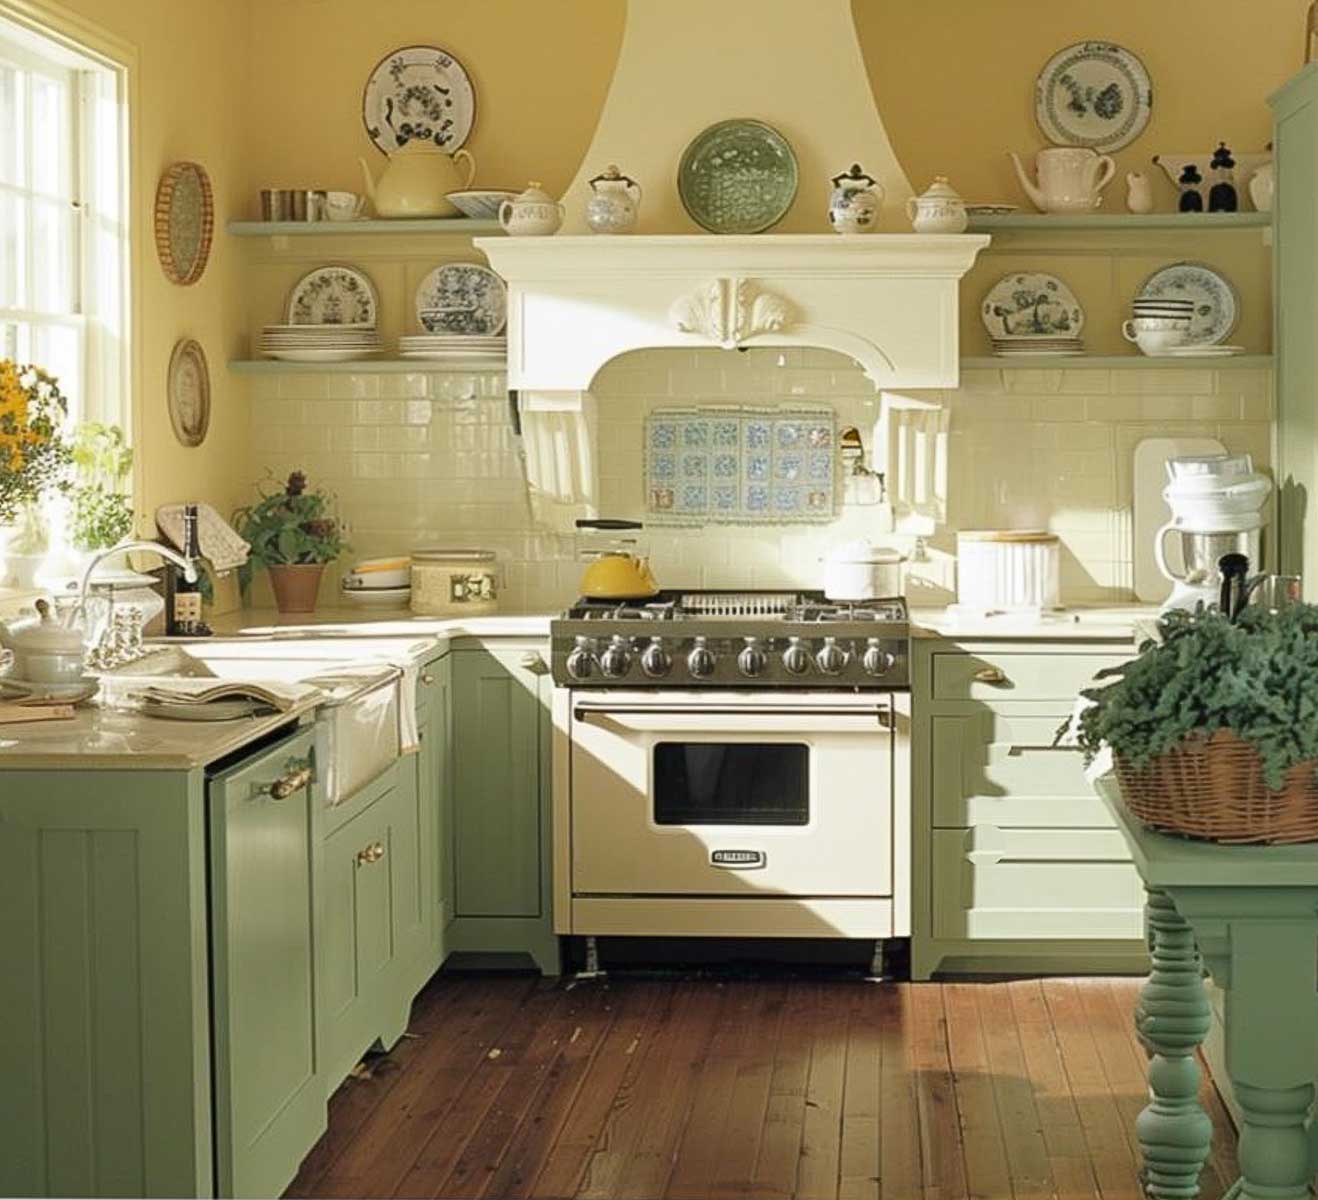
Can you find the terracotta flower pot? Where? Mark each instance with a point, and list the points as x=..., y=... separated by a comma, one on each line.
x=296, y=585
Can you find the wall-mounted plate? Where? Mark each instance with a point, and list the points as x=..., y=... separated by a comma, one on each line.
x=184, y=221
x=188, y=389
x=738, y=177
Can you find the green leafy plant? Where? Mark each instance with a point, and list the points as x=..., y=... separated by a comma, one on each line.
x=1256, y=676
x=102, y=466
x=289, y=526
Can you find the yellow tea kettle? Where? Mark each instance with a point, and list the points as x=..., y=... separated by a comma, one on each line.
x=617, y=571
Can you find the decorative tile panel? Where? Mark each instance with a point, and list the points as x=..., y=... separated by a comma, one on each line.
x=734, y=466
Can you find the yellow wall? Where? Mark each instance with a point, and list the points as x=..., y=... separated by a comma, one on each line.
x=955, y=82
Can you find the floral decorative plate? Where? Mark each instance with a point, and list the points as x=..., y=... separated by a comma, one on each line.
x=418, y=92
x=1032, y=305
x=188, y=385
x=1093, y=94
x=1216, y=306
x=333, y=296
x=738, y=177
x=462, y=298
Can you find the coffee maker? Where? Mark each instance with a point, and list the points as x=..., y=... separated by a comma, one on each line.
x=1217, y=505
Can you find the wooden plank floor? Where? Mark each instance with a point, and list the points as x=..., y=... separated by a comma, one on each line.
x=767, y=1089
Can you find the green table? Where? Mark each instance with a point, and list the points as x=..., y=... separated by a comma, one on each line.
x=1249, y=916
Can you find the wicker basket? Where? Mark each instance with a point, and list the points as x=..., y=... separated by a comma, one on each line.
x=1212, y=788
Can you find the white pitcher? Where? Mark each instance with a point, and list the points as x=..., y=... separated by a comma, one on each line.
x=1071, y=179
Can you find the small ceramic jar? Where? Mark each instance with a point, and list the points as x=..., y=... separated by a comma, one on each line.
x=854, y=203
x=532, y=214
x=938, y=210
x=615, y=201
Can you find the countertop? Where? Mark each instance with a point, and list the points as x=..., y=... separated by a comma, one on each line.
x=386, y=622
x=1098, y=622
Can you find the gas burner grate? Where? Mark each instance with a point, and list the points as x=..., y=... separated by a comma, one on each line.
x=738, y=604
x=868, y=610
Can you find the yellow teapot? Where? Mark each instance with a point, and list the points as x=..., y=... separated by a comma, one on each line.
x=417, y=179
x=618, y=575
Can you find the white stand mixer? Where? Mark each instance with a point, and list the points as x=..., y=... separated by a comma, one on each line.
x=1217, y=506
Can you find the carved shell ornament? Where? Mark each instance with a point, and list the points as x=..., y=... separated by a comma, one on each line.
x=731, y=311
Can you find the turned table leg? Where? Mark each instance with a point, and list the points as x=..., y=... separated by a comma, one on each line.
x=1270, y=1022
x=1172, y=1019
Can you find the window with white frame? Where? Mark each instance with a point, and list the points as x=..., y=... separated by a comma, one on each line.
x=63, y=228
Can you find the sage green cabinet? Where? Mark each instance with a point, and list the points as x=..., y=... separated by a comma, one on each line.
x=501, y=803
x=269, y=1091
x=1017, y=865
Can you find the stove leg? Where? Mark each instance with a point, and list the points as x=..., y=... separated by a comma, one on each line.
x=592, y=970
x=879, y=972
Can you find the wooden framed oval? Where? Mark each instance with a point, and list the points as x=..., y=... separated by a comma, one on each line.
x=188, y=392
x=185, y=221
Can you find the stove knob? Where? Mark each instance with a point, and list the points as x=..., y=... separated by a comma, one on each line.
x=581, y=662
x=796, y=658
x=655, y=660
x=700, y=662
x=752, y=660
x=616, y=661
x=876, y=660
x=831, y=657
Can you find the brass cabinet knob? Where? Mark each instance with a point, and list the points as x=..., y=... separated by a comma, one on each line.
x=286, y=785
x=427, y=678
x=993, y=675
x=370, y=854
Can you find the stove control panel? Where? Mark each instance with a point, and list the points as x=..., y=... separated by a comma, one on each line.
x=800, y=657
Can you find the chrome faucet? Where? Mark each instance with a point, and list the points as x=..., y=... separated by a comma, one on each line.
x=189, y=569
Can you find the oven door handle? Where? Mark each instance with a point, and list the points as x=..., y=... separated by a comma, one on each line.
x=781, y=717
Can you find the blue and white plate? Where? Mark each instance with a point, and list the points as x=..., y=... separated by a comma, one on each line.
x=1030, y=305
x=1094, y=94
x=1216, y=306
x=462, y=298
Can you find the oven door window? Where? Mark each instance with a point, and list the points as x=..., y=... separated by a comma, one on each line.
x=731, y=783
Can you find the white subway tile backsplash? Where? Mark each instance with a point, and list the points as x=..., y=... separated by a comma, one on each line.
x=1037, y=447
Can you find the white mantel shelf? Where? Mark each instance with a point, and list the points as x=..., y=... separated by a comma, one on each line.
x=890, y=301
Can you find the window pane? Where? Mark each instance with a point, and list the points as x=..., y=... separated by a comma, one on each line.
x=13, y=251
x=12, y=145
x=52, y=257
x=51, y=145
x=58, y=348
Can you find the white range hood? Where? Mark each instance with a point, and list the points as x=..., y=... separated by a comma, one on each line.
x=887, y=300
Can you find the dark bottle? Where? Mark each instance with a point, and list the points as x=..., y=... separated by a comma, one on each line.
x=1222, y=196
x=183, y=602
x=1192, y=199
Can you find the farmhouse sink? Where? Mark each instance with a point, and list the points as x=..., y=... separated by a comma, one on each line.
x=359, y=713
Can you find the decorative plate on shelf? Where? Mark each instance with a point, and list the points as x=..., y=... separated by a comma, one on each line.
x=418, y=93
x=333, y=295
x=184, y=221
x=462, y=298
x=1093, y=94
x=1031, y=305
x=188, y=389
x=1216, y=306
x=738, y=177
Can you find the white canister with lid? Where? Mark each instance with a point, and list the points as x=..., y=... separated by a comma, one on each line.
x=454, y=582
x=1008, y=570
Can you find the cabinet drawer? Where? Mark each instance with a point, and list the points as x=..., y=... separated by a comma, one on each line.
x=1035, y=883
x=991, y=768
x=1011, y=675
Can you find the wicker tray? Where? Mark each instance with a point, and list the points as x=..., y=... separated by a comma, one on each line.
x=1212, y=788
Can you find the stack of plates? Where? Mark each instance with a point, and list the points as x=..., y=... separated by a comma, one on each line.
x=319, y=343
x=379, y=583
x=440, y=346
x=1037, y=347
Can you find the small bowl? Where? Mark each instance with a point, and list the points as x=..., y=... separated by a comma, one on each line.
x=479, y=205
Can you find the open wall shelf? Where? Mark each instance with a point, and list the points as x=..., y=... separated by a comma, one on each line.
x=1107, y=362
x=368, y=366
x=430, y=227
x=1162, y=222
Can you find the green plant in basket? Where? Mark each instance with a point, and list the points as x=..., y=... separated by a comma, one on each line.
x=1255, y=677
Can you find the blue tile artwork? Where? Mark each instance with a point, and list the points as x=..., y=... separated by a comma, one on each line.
x=729, y=466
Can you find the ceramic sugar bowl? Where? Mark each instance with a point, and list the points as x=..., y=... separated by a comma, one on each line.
x=938, y=210
x=534, y=213
x=615, y=201
x=854, y=203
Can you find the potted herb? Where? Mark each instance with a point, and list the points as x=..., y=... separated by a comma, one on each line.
x=292, y=535
x=1214, y=727
x=102, y=513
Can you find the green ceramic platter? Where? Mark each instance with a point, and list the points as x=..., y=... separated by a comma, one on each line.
x=738, y=177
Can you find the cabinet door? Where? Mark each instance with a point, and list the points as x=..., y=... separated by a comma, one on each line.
x=358, y=946
x=434, y=791
x=496, y=786
x=410, y=847
x=270, y=1098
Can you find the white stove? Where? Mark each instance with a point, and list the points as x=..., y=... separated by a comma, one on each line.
x=734, y=765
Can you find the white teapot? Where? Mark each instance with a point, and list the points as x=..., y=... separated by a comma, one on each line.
x=615, y=200
x=534, y=213
x=938, y=210
x=417, y=180
x=43, y=651
x=1071, y=179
